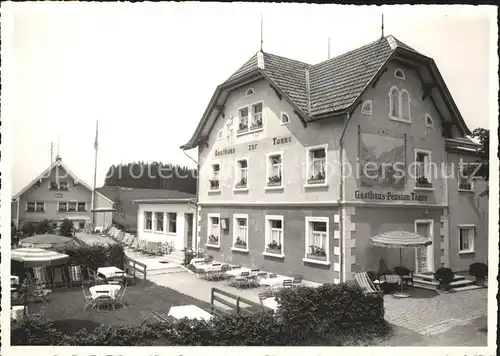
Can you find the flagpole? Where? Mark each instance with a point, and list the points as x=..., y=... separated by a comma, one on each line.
x=95, y=173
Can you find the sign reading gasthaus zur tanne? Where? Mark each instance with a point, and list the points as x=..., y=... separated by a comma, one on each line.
x=388, y=196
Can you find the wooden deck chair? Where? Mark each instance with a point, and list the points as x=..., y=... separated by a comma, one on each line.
x=366, y=283
x=126, y=240
x=41, y=275
x=59, y=277
x=75, y=275
x=133, y=243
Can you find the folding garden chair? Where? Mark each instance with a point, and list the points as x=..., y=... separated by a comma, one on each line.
x=119, y=298
x=273, y=275
x=297, y=281
x=287, y=283
x=89, y=301
x=75, y=275
x=366, y=283
x=94, y=277
x=199, y=273
x=242, y=280
x=264, y=296
x=41, y=276
x=103, y=299
x=134, y=244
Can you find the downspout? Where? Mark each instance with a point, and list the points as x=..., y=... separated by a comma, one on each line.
x=341, y=198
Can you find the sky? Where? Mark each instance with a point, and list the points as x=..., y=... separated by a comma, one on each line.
x=147, y=71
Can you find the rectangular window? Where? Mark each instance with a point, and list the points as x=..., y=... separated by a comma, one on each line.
x=466, y=235
x=243, y=119
x=215, y=177
x=465, y=179
x=172, y=222
x=213, y=228
x=275, y=169
x=62, y=206
x=35, y=206
x=159, y=221
x=82, y=207
x=240, y=232
x=274, y=235
x=241, y=173
x=148, y=220
x=63, y=185
x=317, y=240
x=316, y=167
x=53, y=186
x=423, y=177
x=72, y=206
x=256, y=115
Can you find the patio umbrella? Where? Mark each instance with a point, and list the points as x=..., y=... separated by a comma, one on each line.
x=400, y=239
x=37, y=257
x=46, y=241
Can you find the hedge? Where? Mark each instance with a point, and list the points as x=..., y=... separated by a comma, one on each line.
x=328, y=315
x=97, y=256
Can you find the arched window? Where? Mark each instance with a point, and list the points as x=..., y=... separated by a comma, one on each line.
x=394, y=102
x=249, y=92
x=366, y=109
x=398, y=73
x=428, y=121
x=405, y=105
x=284, y=118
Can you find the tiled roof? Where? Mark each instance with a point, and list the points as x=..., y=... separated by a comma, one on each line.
x=334, y=84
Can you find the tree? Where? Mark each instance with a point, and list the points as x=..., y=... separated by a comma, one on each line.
x=66, y=228
x=118, y=206
x=483, y=136
x=43, y=227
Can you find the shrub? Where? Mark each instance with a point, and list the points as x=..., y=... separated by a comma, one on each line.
x=97, y=256
x=188, y=256
x=43, y=227
x=66, y=228
x=444, y=276
x=328, y=315
x=478, y=270
x=28, y=229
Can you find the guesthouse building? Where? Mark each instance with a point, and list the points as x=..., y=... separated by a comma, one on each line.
x=299, y=165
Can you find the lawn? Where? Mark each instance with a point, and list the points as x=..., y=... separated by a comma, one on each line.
x=65, y=307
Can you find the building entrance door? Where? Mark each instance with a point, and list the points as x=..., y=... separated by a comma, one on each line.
x=424, y=256
x=189, y=230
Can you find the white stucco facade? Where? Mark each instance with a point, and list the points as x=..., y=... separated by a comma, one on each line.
x=168, y=222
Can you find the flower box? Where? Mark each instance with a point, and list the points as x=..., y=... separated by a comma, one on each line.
x=313, y=256
x=315, y=181
x=214, y=184
x=274, y=184
x=256, y=126
x=465, y=186
x=242, y=183
x=276, y=251
x=423, y=184
x=242, y=128
x=242, y=246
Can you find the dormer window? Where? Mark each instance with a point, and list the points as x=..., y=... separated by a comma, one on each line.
x=285, y=119
x=249, y=92
x=428, y=121
x=366, y=109
x=398, y=73
x=63, y=185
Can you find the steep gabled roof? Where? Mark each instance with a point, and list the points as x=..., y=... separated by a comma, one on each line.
x=328, y=88
x=45, y=174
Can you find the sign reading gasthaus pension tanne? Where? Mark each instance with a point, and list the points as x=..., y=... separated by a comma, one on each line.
x=225, y=151
x=370, y=195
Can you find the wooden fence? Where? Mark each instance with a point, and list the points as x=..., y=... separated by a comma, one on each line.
x=234, y=302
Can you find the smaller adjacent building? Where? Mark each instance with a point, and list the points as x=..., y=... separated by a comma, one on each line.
x=168, y=220
x=58, y=194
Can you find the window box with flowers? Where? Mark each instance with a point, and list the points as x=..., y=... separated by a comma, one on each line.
x=213, y=240
x=316, y=253
x=423, y=182
x=214, y=184
x=242, y=127
x=274, y=247
x=242, y=183
x=257, y=124
x=241, y=244
x=274, y=181
x=317, y=179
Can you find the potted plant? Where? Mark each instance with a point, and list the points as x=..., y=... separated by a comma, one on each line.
x=317, y=178
x=479, y=270
x=317, y=253
x=213, y=240
x=239, y=243
x=423, y=182
x=274, y=247
x=444, y=276
x=242, y=183
x=242, y=126
x=274, y=180
x=257, y=123
x=465, y=186
x=214, y=184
